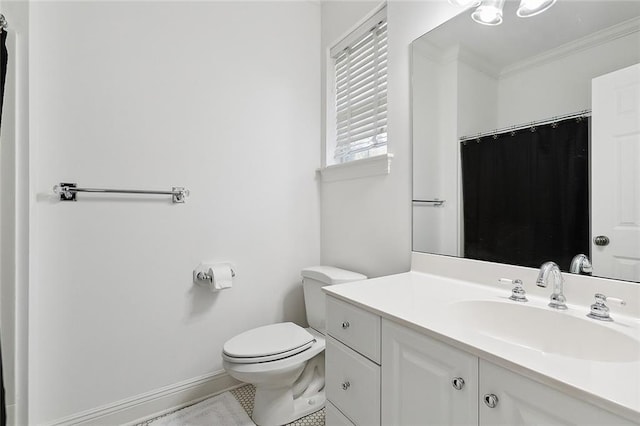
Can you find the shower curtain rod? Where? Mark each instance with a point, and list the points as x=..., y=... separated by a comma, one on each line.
x=530, y=125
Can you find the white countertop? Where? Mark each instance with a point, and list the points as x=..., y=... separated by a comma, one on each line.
x=423, y=302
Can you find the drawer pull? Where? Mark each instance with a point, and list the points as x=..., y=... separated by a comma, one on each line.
x=345, y=325
x=346, y=385
x=457, y=383
x=490, y=400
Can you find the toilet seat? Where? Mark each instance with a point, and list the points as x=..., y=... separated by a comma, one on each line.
x=317, y=347
x=269, y=343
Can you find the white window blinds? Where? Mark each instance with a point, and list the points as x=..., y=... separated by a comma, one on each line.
x=361, y=91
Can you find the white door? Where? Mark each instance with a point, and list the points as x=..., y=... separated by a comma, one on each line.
x=418, y=376
x=615, y=174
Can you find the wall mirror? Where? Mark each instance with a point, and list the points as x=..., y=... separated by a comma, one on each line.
x=526, y=138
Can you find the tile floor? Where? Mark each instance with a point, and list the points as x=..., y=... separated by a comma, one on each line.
x=246, y=394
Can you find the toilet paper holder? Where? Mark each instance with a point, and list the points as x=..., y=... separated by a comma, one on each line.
x=202, y=276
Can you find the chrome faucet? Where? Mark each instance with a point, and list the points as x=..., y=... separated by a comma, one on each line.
x=581, y=265
x=557, y=299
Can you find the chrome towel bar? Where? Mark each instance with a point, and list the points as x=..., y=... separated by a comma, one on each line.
x=68, y=192
x=435, y=202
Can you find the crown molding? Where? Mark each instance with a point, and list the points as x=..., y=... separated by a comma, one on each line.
x=600, y=37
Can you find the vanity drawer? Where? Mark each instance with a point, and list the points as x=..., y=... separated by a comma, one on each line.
x=355, y=327
x=352, y=384
x=333, y=416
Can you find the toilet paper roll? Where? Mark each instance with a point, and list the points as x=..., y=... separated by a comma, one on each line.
x=221, y=277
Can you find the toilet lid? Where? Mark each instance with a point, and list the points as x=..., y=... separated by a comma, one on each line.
x=268, y=343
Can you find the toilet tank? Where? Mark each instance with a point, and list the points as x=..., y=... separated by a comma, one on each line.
x=313, y=279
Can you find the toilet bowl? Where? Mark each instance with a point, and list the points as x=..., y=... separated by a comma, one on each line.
x=284, y=361
x=284, y=390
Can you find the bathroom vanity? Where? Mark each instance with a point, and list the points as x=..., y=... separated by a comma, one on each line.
x=419, y=348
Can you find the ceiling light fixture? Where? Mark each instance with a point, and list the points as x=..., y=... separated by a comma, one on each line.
x=489, y=12
x=529, y=8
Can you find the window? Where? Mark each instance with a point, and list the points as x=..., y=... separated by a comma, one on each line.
x=360, y=72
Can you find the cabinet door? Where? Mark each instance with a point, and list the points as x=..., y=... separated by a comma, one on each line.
x=522, y=401
x=417, y=375
x=352, y=383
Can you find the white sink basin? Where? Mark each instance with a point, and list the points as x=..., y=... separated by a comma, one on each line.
x=546, y=330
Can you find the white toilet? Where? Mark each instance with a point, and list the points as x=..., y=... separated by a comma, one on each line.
x=284, y=361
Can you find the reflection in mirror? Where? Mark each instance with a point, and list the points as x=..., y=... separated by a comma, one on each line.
x=526, y=138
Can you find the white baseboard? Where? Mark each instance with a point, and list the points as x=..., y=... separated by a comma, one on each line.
x=154, y=403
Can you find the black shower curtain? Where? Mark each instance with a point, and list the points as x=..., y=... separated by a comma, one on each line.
x=4, y=57
x=526, y=195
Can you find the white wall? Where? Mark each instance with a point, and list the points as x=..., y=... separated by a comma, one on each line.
x=14, y=184
x=427, y=128
x=366, y=222
x=427, y=79
x=477, y=100
x=222, y=98
x=435, y=100
x=562, y=86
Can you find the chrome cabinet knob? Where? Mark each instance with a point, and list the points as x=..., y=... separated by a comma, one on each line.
x=345, y=325
x=601, y=240
x=457, y=383
x=490, y=400
x=346, y=385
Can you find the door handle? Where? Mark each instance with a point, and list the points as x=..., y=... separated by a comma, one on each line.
x=601, y=240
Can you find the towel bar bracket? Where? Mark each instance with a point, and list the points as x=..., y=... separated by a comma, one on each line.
x=179, y=194
x=66, y=192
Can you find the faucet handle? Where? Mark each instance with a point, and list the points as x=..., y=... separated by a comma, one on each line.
x=600, y=311
x=518, y=293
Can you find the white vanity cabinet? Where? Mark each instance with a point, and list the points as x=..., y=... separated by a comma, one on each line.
x=408, y=378
x=421, y=386
x=426, y=382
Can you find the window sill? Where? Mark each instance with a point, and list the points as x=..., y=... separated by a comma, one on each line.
x=374, y=166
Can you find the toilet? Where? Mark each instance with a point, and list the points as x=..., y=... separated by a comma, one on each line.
x=284, y=361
